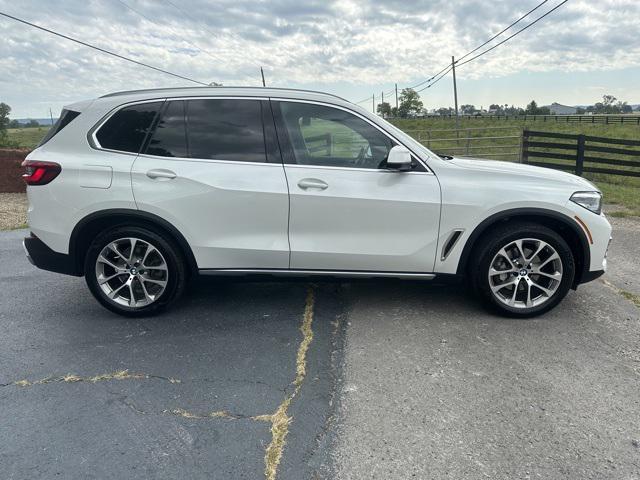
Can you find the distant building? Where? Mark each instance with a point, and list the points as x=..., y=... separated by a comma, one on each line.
x=558, y=109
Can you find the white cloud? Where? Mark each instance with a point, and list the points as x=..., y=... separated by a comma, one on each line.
x=321, y=43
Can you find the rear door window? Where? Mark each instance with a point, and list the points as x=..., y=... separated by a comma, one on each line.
x=169, y=138
x=128, y=127
x=225, y=129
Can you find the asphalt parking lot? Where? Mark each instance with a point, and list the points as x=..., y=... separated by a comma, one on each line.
x=334, y=380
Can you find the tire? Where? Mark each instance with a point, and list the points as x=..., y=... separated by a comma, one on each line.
x=131, y=261
x=517, y=284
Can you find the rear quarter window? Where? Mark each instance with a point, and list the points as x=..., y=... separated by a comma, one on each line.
x=126, y=129
x=66, y=116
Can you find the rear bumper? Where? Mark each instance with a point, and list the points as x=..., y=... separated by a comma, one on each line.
x=40, y=255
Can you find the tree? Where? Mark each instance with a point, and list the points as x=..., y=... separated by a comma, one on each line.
x=534, y=109
x=608, y=105
x=468, y=109
x=384, y=109
x=394, y=112
x=580, y=111
x=4, y=122
x=32, y=124
x=410, y=103
x=623, y=107
x=14, y=124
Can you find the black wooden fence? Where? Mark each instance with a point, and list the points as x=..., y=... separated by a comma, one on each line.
x=581, y=153
x=613, y=119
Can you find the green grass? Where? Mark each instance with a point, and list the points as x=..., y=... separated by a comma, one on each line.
x=625, y=196
x=25, y=137
x=432, y=131
x=617, y=190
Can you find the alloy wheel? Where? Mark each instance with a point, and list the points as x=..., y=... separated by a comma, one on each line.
x=131, y=272
x=525, y=273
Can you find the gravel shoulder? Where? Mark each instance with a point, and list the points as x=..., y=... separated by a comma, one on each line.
x=13, y=210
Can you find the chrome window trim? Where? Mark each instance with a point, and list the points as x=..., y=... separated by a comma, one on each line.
x=95, y=144
x=353, y=112
x=94, y=130
x=357, y=169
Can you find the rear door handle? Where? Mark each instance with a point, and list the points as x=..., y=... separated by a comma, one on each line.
x=161, y=173
x=307, y=183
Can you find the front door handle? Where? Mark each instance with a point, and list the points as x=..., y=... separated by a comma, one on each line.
x=161, y=174
x=307, y=183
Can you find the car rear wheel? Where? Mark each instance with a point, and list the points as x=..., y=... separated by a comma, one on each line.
x=523, y=270
x=134, y=271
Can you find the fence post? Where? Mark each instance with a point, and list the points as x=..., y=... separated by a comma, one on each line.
x=468, y=135
x=580, y=155
x=524, y=157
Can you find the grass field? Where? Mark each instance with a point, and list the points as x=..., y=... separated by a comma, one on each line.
x=26, y=137
x=623, y=191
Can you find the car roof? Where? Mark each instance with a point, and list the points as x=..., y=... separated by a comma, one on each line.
x=225, y=91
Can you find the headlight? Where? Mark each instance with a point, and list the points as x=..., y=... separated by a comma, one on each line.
x=589, y=200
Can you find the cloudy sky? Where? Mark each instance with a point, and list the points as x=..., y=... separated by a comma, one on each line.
x=352, y=48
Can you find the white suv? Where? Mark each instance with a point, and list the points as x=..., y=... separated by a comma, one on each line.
x=137, y=191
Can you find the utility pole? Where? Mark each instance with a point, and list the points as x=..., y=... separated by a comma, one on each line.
x=373, y=104
x=396, y=96
x=381, y=102
x=51, y=115
x=455, y=90
x=262, y=73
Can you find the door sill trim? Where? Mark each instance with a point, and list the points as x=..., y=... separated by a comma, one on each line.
x=304, y=273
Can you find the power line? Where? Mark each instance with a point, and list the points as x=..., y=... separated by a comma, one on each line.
x=448, y=68
x=511, y=36
x=156, y=23
x=108, y=52
x=213, y=34
x=438, y=76
x=503, y=30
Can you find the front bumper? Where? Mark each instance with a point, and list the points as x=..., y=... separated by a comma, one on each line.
x=40, y=255
x=590, y=276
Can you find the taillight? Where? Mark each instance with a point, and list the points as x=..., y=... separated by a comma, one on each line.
x=40, y=173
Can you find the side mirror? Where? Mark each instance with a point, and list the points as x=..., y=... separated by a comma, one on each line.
x=399, y=159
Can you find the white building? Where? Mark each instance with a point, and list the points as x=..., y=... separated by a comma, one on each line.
x=558, y=109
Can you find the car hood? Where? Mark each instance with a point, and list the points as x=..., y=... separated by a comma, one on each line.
x=518, y=169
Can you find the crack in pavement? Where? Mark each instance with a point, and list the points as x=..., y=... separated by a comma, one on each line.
x=73, y=378
x=279, y=420
x=632, y=297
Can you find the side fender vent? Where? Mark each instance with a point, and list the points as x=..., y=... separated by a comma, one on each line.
x=454, y=236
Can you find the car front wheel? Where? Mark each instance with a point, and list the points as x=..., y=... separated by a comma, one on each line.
x=133, y=271
x=523, y=270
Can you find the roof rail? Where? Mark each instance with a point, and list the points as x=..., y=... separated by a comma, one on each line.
x=166, y=89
